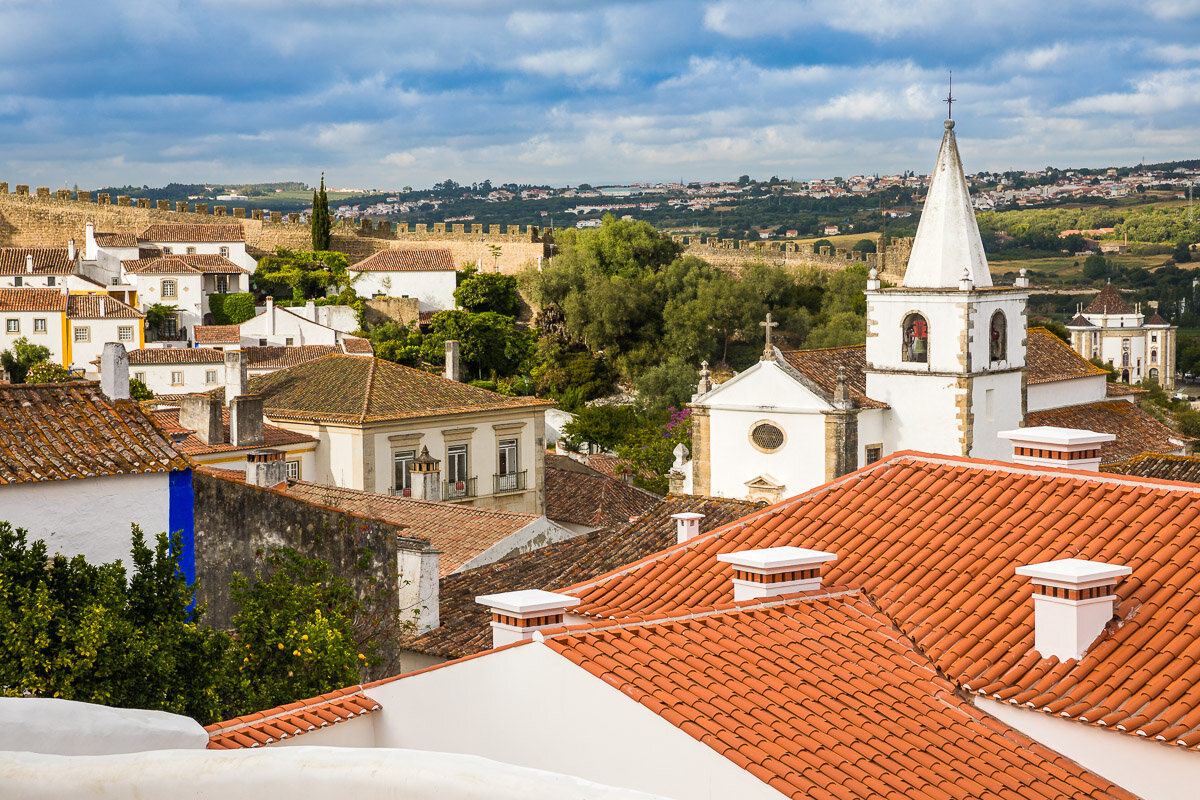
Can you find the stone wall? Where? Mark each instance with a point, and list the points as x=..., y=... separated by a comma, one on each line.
x=400, y=310
x=734, y=255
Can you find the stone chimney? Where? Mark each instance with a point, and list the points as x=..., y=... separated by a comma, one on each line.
x=453, y=368
x=71, y=250
x=516, y=616
x=114, y=371
x=1048, y=446
x=202, y=414
x=266, y=468
x=1073, y=601
x=426, y=476
x=775, y=570
x=841, y=431
x=687, y=525
x=418, y=592
x=246, y=421
x=237, y=382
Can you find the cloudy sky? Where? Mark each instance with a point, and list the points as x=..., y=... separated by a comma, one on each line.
x=383, y=93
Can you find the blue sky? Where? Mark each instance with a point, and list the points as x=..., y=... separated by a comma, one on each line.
x=386, y=93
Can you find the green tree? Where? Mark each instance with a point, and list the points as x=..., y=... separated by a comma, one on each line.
x=670, y=384
x=649, y=450
x=1095, y=267
x=398, y=343
x=139, y=391
x=1182, y=252
x=157, y=315
x=819, y=243
x=489, y=291
x=18, y=359
x=306, y=274
x=864, y=246
x=490, y=343
x=320, y=222
x=231, y=308
x=46, y=372
x=604, y=426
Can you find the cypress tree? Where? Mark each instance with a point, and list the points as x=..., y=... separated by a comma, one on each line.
x=319, y=222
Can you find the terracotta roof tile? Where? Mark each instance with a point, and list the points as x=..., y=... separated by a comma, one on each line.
x=193, y=264
x=99, y=306
x=358, y=346
x=1080, y=321
x=1108, y=301
x=821, y=367
x=60, y=431
x=116, y=239
x=276, y=357
x=464, y=628
x=273, y=436
x=460, y=532
x=32, y=300
x=396, y=260
x=1048, y=358
x=936, y=540
x=194, y=233
x=291, y=720
x=578, y=494
x=1158, y=466
x=1155, y=319
x=1137, y=432
x=174, y=355
x=46, y=261
x=217, y=334
x=819, y=692
x=1118, y=389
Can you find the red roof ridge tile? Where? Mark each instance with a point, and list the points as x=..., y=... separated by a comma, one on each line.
x=351, y=702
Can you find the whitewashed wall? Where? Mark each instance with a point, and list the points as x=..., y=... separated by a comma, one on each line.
x=189, y=298
x=52, y=339
x=1057, y=394
x=237, y=251
x=158, y=376
x=101, y=331
x=277, y=325
x=434, y=289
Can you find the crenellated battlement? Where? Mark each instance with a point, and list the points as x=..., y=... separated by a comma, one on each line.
x=734, y=253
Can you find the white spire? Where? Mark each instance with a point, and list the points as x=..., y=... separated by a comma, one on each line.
x=947, y=242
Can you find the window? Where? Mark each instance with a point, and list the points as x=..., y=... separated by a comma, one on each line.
x=288, y=341
x=224, y=252
x=125, y=333
x=49, y=280
x=1154, y=356
x=1154, y=375
x=177, y=378
x=168, y=288
x=998, y=337
x=166, y=251
x=191, y=251
x=39, y=325
x=140, y=377
x=456, y=465
x=83, y=334
x=403, y=460
x=507, y=477
x=1154, y=338
x=222, y=284
x=766, y=437
x=12, y=325
x=210, y=376
x=170, y=328
x=19, y=280
x=292, y=470
x=916, y=339
x=873, y=453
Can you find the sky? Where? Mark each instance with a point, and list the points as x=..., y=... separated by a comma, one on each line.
x=388, y=93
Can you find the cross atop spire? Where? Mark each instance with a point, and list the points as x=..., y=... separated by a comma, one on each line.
x=949, y=101
x=768, y=351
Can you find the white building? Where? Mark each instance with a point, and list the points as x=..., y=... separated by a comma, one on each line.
x=185, y=282
x=1138, y=348
x=225, y=240
x=73, y=327
x=427, y=275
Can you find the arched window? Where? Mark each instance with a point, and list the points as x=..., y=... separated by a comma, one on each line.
x=916, y=339
x=1154, y=356
x=1154, y=375
x=998, y=337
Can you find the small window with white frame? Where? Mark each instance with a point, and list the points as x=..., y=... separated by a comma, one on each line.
x=177, y=378
x=222, y=284
x=191, y=251
x=224, y=252
x=39, y=325
x=403, y=460
x=168, y=287
x=83, y=334
x=292, y=470
x=140, y=377
x=125, y=333
x=12, y=325
x=210, y=376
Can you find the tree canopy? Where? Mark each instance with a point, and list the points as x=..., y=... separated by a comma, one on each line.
x=22, y=355
x=305, y=274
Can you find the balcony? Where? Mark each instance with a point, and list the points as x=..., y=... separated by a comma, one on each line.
x=509, y=482
x=458, y=490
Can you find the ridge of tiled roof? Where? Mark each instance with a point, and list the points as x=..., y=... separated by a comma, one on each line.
x=935, y=541
x=1118, y=389
x=1156, y=319
x=578, y=494
x=291, y=720
x=279, y=357
x=1136, y=430
x=88, y=306
x=174, y=355
x=46, y=261
x=32, y=300
x=1108, y=301
x=273, y=436
x=357, y=389
x=193, y=233
x=217, y=334
x=464, y=629
x=821, y=690
x=182, y=264
x=1159, y=466
x=61, y=431
x=821, y=367
x=1048, y=358
x=405, y=260
x=115, y=239
x=459, y=532
x=1080, y=321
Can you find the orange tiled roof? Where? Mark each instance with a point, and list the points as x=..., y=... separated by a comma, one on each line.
x=277, y=357
x=294, y=719
x=578, y=494
x=273, y=436
x=1155, y=319
x=60, y=431
x=175, y=355
x=396, y=260
x=1137, y=432
x=821, y=367
x=1159, y=466
x=99, y=306
x=358, y=346
x=46, y=261
x=184, y=264
x=116, y=239
x=460, y=532
x=819, y=696
x=194, y=233
x=217, y=334
x=1048, y=358
x=355, y=389
x=32, y=300
x=1108, y=301
x=936, y=540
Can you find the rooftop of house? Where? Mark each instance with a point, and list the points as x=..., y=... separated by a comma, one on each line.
x=1158, y=466
x=187, y=442
x=291, y=720
x=217, y=334
x=171, y=233
x=397, y=260
x=464, y=629
x=1048, y=358
x=1156, y=319
x=32, y=300
x=173, y=355
x=46, y=261
x=115, y=239
x=935, y=541
x=578, y=494
x=821, y=367
x=1108, y=301
x=356, y=345
x=99, y=306
x=183, y=264
x=61, y=431
x=355, y=390
x=279, y=357
x=1136, y=430
x=460, y=532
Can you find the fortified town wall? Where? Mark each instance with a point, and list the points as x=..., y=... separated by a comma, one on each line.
x=734, y=255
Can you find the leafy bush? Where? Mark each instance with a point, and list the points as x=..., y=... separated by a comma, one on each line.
x=46, y=372
x=489, y=291
x=231, y=308
x=19, y=358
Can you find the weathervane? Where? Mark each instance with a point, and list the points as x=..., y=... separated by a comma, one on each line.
x=949, y=101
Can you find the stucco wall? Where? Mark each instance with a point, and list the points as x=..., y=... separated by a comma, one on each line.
x=276, y=325
x=1056, y=394
x=52, y=339
x=158, y=376
x=434, y=289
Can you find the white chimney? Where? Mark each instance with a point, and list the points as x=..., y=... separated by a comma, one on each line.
x=28, y=262
x=453, y=367
x=310, y=311
x=89, y=242
x=101, y=307
x=270, y=316
x=516, y=616
x=775, y=570
x=114, y=371
x=687, y=525
x=71, y=250
x=1048, y=446
x=1072, y=602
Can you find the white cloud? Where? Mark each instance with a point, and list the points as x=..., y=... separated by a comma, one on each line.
x=1152, y=94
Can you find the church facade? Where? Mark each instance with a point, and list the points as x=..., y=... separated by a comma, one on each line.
x=1139, y=348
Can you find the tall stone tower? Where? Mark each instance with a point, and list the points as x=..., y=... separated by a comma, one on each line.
x=946, y=349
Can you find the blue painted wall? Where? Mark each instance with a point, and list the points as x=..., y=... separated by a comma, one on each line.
x=183, y=520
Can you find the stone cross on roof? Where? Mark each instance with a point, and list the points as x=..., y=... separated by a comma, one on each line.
x=768, y=350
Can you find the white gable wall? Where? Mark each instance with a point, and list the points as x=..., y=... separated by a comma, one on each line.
x=157, y=377
x=1056, y=394
x=434, y=289
x=277, y=325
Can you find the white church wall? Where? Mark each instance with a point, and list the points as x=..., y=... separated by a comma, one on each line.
x=924, y=411
x=995, y=411
x=1056, y=394
x=871, y=426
